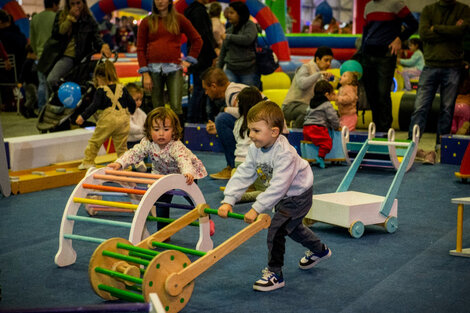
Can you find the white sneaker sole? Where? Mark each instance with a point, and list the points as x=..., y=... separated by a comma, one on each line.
x=269, y=288
x=307, y=267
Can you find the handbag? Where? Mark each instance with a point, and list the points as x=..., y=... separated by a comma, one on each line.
x=266, y=60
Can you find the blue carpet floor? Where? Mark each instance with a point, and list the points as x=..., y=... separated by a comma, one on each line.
x=408, y=271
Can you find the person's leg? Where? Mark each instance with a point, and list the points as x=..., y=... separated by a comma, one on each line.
x=158, y=89
x=428, y=84
x=163, y=210
x=42, y=91
x=378, y=78
x=60, y=69
x=252, y=79
x=103, y=131
x=224, y=123
x=197, y=101
x=120, y=133
x=449, y=88
x=174, y=84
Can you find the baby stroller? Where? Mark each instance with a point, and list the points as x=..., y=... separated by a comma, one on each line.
x=54, y=116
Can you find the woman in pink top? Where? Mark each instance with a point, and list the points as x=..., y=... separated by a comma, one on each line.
x=159, y=53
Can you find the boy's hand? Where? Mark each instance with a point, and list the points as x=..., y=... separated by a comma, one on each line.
x=189, y=178
x=114, y=166
x=251, y=216
x=224, y=210
x=79, y=120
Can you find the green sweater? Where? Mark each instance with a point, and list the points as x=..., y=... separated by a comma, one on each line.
x=443, y=46
x=40, y=30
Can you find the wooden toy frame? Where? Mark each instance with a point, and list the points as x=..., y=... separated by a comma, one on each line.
x=66, y=255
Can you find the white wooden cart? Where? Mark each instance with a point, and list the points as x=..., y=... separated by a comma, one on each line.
x=354, y=210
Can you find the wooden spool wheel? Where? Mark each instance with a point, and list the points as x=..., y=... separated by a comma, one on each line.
x=98, y=259
x=155, y=277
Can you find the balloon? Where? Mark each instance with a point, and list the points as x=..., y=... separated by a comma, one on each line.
x=70, y=94
x=351, y=66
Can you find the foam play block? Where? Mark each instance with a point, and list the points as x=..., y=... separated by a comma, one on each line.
x=453, y=148
x=310, y=152
x=196, y=138
x=28, y=152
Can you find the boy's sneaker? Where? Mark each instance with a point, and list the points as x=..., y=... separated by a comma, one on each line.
x=223, y=174
x=269, y=281
x=311, y=259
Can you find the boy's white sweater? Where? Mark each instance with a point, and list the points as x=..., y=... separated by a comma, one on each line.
x=281, y=168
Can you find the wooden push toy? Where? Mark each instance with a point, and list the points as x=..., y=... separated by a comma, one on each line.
x=94, y=182
x=353, y=210
x=338, y=152
x=388, y=152
x=120, y=270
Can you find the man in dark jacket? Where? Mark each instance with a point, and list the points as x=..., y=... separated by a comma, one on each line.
x=200, y=19
x=442, y=28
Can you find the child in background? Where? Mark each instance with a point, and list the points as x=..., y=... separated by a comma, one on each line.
x=461, y=118
x=413, y=66
x=29, y=79
x=169, y=155
x=136, y=130
x=247, y=98
x=290, y=186
x=321, y=116
x=117, y=105
x=346, y=100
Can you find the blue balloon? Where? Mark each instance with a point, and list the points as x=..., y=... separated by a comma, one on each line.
x=70, y=94
x=351, y=66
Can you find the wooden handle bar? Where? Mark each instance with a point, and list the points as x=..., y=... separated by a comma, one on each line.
x=177, y=281
x=133, y=174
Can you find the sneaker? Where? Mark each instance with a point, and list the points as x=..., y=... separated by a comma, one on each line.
x=311, y=259
x=84, y=166
x=223, y=174
x=269, y=281
x=321, y=162
x=420, y=154
x=430, y=158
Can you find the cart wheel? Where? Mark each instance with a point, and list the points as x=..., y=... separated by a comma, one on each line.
x=356, y=229
x=391, y=224
x=308, y=221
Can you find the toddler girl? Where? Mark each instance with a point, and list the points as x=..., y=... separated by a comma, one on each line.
x=136, y=131
x=117, y=105
x=320, y=117
x=413, y=66
x=346, y=100
x=169, y=155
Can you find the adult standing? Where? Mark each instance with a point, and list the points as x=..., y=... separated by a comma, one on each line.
x=442, y=28
x=237, y=56
x=297, y=100
x=159, y=53
x=75, y=36
x=40, y=31
x=198, y=16
x=387, y=24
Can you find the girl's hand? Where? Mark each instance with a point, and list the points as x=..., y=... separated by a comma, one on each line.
x=224, y=210
x=147, y=81
x=189, y=178
x=251, y=216
x=106, y=50
x=114, y=166
x=210, y=128
x=79, y=120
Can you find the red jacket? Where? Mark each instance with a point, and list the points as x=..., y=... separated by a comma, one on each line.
x=163, y=46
